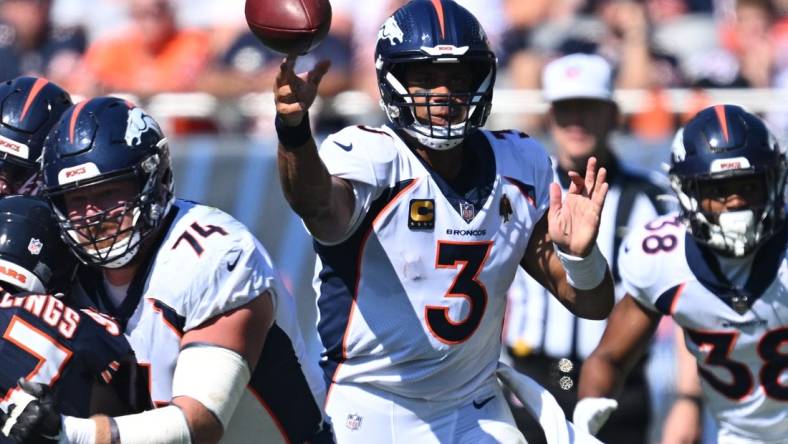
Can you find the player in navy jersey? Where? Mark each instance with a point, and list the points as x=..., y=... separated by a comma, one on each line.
x=42, y=340
x=719, y=269
x=419, y=227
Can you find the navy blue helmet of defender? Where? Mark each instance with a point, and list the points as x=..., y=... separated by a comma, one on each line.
x=29, y=108
x=726, y=148
x=32, y=255
x=438, y=32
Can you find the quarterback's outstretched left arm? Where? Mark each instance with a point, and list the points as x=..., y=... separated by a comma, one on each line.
x=562, y=254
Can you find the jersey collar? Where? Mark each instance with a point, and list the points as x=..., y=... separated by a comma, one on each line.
x=765, y=264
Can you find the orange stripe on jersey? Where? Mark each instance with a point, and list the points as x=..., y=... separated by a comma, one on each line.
x=37, y=87
x=163, y=319
x=278, y=423
x=73, y=123
x=385, y=209
x=720, y=110
x=676, y=298
x=41, y=359
x=439, y=10
x=520, y=186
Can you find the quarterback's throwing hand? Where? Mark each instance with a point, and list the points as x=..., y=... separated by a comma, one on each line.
x=574, y=223
x=295, y=93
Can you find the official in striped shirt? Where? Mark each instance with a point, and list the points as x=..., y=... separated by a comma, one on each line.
x=544, y=340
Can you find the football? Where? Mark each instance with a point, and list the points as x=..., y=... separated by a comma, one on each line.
x=289, y=26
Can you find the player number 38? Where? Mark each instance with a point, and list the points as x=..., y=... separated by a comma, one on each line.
x=775, y=362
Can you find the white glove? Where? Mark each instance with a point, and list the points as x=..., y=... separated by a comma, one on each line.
x=591, y=413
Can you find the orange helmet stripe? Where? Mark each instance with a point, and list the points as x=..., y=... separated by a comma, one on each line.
x=74, y=116
x=439, y=9
x=720, y=110
x=37, y=87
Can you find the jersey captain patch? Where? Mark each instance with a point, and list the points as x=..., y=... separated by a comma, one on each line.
x=421, y=214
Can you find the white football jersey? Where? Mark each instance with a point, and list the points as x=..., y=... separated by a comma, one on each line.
x=207, y=263
x=412, y=299
x=738, y=338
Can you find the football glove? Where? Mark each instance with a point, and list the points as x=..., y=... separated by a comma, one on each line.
x=591, y=413
x=32, y=417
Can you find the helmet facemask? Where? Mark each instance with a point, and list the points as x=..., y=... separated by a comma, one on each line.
x=462, y=110
x=738, y=232
x=130, y=222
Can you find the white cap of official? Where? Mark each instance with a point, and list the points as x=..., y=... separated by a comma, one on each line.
x=578, y=76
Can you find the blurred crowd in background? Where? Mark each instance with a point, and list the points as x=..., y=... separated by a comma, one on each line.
x=147, y=47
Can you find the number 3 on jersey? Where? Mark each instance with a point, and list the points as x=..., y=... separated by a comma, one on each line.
x=470, y=258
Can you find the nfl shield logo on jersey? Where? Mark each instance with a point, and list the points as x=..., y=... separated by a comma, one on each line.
x=34, y=247
x=467, y=211
x=353, y=421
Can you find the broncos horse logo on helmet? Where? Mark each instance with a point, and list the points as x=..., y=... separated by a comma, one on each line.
x=102, y=140
x=441, y=32
x=720, y=143
x=29, y=108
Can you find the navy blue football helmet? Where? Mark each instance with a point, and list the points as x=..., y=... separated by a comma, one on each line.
x=96, y=142
x=439, y=32
x=720, y=143
x=29, y=108
x=32, y=255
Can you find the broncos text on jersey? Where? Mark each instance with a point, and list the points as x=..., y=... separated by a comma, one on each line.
x=736, y=335
x=412, y=299
x=207, y=263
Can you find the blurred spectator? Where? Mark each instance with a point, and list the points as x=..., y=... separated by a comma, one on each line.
x=248, y=66
x=99, y=19
x=361, y=21
x=31, y=45
x=152, y=56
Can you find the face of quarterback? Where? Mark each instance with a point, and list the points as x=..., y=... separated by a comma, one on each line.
x=581, y=126
x=435, y=84
x=736, y=193
x=100, y=212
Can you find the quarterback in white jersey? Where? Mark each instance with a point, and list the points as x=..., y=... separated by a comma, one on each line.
x=194, y=292
x=719, y=269
x=419, y=228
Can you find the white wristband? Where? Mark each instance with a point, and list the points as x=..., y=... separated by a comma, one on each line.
x=162, y=425
x=583, y=273
x=78, y=431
